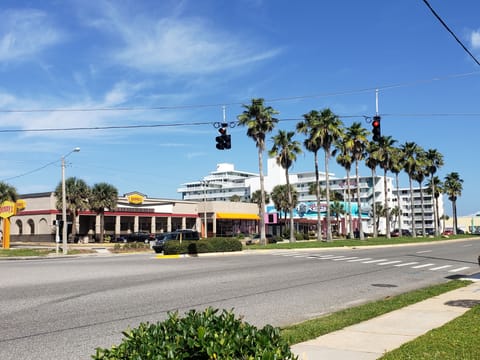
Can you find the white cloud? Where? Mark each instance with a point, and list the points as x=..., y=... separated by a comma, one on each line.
x=177, y=45
x=20, y=35
x=475, y=39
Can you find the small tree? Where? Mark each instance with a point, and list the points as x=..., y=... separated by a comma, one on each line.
x=103, y=197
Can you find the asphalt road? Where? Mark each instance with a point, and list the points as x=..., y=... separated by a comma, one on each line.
x=65, y=308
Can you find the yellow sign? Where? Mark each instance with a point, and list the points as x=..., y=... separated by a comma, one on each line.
x=21, y=204
x=7, y=209
x=135, y=199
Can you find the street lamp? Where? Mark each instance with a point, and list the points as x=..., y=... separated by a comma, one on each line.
x=64, y=203
x=204, y=182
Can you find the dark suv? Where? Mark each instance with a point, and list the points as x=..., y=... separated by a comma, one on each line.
x=174, y=235
x=140, y=236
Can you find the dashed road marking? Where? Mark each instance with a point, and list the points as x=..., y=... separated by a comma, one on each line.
x=422, y=266
x=460, y=269
x=440, y=267
x=390, y=262
x=406, y=264
x=373, y=261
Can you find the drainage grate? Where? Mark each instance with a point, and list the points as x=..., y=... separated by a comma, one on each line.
x=466, y=303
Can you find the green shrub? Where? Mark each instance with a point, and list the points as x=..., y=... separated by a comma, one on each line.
x=199, y=335
x=202, y=246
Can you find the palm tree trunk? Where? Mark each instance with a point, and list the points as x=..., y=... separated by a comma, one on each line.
x=412, y=215
x=317, y=194
x=350, y=220
x=423, y=210
x=454, y=212
x=437, y=221
x=374, y=208
x=387, y=210
x=360, y=227
x=290, y=207
x=399, y=212
x=263, y=239
x=329, y=230
x=435, y=207
x=102, y=226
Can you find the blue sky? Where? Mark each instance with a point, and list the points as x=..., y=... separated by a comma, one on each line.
x=169, y=66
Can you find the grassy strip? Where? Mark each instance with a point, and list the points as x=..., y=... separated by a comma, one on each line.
x=316, y=327
x=356, y=242
x=440, y=344
x=24, y=252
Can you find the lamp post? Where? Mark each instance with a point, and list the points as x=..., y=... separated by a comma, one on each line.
x=64, y=204
x=205, y=207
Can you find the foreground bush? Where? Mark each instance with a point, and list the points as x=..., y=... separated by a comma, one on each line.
x=202, y=246
x=202, y=336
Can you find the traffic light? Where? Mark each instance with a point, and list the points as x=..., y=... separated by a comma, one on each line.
x=376, y=128
x=224, y=141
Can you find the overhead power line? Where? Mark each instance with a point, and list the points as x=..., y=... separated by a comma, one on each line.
x=450, y=31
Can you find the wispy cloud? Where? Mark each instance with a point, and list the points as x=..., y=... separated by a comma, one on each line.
x=21, y=37
x=176, y=45
x=475, y=39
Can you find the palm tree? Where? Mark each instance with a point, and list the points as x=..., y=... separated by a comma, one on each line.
x=323, y=130
x=310, y=127
x=357, y=137
x=434, y=161
x=280, y=199
x=103, y=197
x=419, y=175
x=409, y=150
x=453, y=188
x=77, y=194
x=259, y=121
x=286, y=150
x=7, y=192
x=235, y=198
x=397, y=166
x=256, y=198
x=344, y=158
x=384, y=153
x=435, y=187
x=396, y=211
x=337, y=210
x=371, y=162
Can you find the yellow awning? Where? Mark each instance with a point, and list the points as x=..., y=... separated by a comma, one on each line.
x=237, y=216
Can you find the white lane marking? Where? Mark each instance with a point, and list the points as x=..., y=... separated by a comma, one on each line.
x=421, y=266
x=467, y=245
x=373, y=261
x=361, y=259
x=328, y=256
x=347, y=258
x=423, y=252
x=440, y=267
x=460, y=269
x=390, y=262
x=406, y=264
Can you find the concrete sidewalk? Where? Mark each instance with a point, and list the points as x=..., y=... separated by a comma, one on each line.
x=371, y=339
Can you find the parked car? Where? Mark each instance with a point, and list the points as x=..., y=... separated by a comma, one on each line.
x=256, y=239
x=447, y=232
x=140, y=236
x=398, y=232
x=161, y=239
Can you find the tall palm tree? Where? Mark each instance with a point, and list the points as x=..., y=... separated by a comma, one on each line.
x=384, y=153
x=410, y=150
x=103, y=197
x=337, y=210
x=285, y=150
x=344, y=159
x=434, y=161
x=435, y=187
x=453, y=188
x=357, y=137
x=309, y=126
x=324, y=129
x=77, y=194
x=259, y=121
x=419, y=175
x=371, y=162
x=397, y=166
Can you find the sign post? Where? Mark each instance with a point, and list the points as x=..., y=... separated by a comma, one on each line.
x=7, y=210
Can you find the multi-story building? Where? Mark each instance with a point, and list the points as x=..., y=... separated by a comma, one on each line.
x=222, y=184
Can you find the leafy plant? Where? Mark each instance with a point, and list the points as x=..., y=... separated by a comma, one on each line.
x=201, y=336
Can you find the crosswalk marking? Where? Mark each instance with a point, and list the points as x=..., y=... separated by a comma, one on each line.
x=460, y=269
x=406, y=264
x=421, y=266
x=440, y=267
x=390, y=262
x=368, y=260
x=373, y=261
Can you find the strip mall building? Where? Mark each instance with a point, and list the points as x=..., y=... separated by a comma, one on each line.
x=134, y=212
